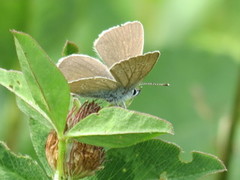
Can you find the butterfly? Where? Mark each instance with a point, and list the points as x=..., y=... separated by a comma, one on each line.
x=124, y=65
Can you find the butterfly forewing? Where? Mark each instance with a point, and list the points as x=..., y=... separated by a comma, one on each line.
x=130, y=72
x=120, y=43
x=75, y=67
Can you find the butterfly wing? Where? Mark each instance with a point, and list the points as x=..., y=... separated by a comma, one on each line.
x=130, y=72
x=87, y=76
x=75, y=67
x=120, y=42
x=97, y=87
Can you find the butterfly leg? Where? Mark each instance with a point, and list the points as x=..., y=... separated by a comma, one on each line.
x=122, y=104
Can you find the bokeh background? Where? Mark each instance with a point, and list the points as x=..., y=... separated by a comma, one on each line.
x=200, y=45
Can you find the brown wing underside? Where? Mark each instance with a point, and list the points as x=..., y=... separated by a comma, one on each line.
x=120, y=43
x=90, y=86
x=130, y=72
x=75, y=67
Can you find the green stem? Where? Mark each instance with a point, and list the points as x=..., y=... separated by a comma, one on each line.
x=228, y=151
x=61, y=156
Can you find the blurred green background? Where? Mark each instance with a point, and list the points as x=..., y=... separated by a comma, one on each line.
x=200, y=45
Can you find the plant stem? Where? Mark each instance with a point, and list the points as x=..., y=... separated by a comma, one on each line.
x=232, y=131
x=61, y=156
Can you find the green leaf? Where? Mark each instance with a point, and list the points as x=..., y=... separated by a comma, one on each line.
x=48, y=86
x=38, y=133
x=14, y=166
x=118, y=127
x=15, y=82
x=156, y=159
x=70, y=48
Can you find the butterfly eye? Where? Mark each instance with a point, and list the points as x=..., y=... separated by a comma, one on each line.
x=135, y=92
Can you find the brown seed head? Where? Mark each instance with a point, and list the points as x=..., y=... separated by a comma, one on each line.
x=81, y=159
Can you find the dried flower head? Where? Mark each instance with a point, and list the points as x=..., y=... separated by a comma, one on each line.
x=81, y=159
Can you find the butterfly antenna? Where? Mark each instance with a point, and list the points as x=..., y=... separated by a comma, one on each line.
x=155, y=84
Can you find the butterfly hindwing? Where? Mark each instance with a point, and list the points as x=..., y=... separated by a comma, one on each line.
x=92, y=87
